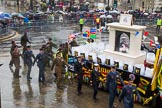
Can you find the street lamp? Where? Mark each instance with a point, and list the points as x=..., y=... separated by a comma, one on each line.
x=18, y=6
x=108, y=3
x=31, y=4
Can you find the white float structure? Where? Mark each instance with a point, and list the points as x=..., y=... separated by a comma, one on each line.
x=132, y=54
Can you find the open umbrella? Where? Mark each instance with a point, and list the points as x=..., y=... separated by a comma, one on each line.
x=14, y=14
x=7, y=15
x=91, y=11
x=72, y=36
x=102, y=16
x=87, y=3
x=146, y=13
x=20, y=15
x=2, y=16
x=109, y=16
x=115, y=11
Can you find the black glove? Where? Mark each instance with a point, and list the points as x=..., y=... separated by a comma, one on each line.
x=1, y=64
x=120, y=100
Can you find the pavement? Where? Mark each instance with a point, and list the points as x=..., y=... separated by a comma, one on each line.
x=10, y=36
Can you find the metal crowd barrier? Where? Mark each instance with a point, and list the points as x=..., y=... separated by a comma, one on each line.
x=145, y=22
x=4, y=31
x=62, y=22
x=65, y=22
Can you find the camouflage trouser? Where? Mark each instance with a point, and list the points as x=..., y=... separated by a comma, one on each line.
x=16, y=63
x=60, y=81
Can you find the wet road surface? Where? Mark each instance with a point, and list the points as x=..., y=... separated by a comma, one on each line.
x=19, y=93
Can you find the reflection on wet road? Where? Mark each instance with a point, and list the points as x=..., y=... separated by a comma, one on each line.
x=18, y=93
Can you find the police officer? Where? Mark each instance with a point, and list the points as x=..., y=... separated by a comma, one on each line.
x=81, y=22
x=28, y=54
x=16, y=61
x=111, y=84
x=158, y=25
x=95, y=80
x=127, y=94
x=97, y=22
x=40, y=58
x=78, y=69
x=59, y=64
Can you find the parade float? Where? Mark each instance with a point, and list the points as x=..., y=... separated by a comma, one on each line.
x=124, y=51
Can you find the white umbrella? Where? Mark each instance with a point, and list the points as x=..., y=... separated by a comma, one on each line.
x=154, y=13
x=102, y=16
x=114, y=11
x=91, y=11
x=146, y=13
x=14, y=14
x=87, y=3
x=109, y=16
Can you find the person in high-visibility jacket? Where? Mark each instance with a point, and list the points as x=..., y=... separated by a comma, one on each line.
x=158, y=25
x=97, y=22
x=81, y=22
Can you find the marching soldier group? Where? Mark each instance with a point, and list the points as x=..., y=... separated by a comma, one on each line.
x=43, y=58
x=128, y=90
x=59, y=63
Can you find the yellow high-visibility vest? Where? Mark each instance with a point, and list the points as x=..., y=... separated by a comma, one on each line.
x=81, y=21
x=158, y=22
x=97, y=20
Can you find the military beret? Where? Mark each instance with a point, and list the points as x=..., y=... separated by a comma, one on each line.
x=41, y=49
x=28, y=46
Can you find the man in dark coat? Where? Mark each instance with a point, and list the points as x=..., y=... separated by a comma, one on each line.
x=111, y=84
x=24, y=41
x=78, y=69
x=40, y=58
x=28, y=54
x=95, y=80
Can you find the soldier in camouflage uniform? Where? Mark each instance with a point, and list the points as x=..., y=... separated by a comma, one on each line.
x=16, y=61
x=11, y=50
x=59, y=62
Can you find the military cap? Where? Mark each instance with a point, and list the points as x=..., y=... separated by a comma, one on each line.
x=113, y=66
x=96, y=65
x=12, y=41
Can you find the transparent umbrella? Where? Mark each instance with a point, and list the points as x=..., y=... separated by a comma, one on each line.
x=102, y=16
x=109, y=16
